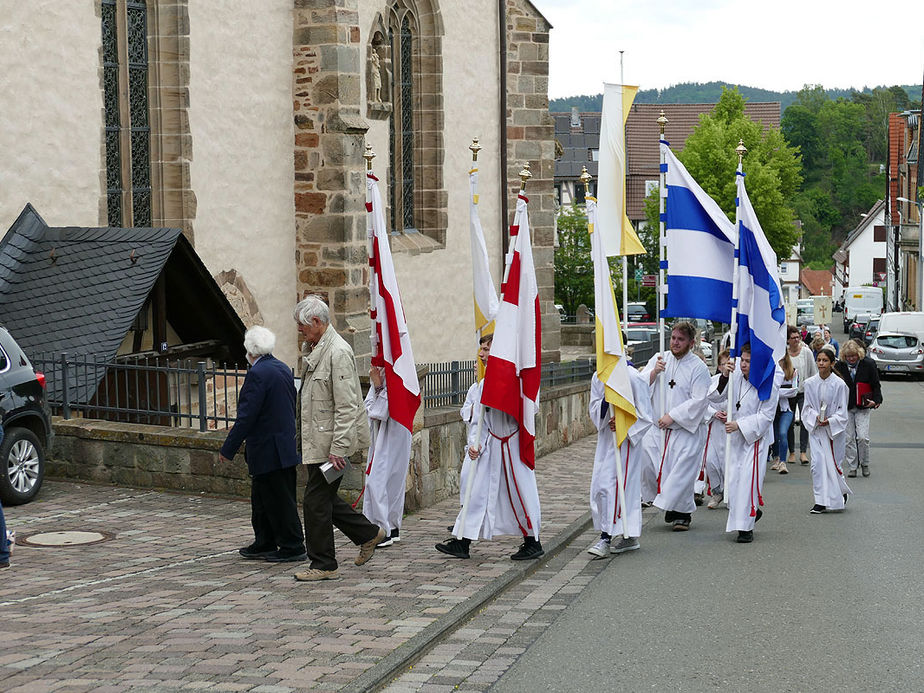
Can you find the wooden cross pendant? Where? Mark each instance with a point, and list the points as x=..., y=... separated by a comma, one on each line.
x=671, y=384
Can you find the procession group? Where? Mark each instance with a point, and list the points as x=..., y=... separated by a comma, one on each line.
x=662, y=458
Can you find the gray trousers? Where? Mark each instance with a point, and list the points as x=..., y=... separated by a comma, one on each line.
x=857, y=439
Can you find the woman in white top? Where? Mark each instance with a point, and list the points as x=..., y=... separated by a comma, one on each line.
x=803, y=360
x=784, y=414
x=825, y=416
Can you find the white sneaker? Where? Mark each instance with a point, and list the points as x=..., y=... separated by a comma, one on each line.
x=776, y=464
x=716, y=501
x=601, y=549
x=630, y=544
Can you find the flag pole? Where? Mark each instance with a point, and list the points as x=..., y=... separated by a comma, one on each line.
x=585, y=178
x=475, y=147
x=369, y=155
x=740, y=150
x=525, y=175
x=662, y=243
x=625, y=258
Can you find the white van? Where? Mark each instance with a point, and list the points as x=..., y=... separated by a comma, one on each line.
x=861, y=299
x=906, y=322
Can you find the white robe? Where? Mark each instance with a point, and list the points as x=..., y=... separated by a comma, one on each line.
x=748, y=445
x=505, y=498
x=386, y=471
x=679, y=461
x=828, y=444
x=714, y=452
x=607, y=516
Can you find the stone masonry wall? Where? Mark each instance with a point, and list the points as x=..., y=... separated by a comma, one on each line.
x=184, y=460
x=530, y=137
x=330, y=232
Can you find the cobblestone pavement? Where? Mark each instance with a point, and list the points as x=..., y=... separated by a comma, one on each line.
x=168, y=604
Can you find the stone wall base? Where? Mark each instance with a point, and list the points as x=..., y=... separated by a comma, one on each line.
x=185, y=460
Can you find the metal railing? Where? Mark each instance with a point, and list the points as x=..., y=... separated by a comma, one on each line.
x=184, y=393
x=200, y=394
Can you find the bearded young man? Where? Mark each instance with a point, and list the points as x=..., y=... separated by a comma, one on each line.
x=685, y=381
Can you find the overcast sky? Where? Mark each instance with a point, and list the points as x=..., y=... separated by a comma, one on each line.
x=777, y=45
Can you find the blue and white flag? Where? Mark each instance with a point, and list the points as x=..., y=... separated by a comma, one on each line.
x=700, y=248
x=761, y=313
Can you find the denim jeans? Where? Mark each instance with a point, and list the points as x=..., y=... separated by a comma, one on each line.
x=4, y=545
x=781, y=426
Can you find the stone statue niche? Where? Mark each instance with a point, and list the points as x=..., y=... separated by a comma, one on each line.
x=378, y=77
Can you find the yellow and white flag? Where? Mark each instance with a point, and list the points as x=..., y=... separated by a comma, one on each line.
x=612, y=367
x=485, y=295
x=619, y=238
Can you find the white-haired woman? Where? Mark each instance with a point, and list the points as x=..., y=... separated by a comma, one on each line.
x=266, y=423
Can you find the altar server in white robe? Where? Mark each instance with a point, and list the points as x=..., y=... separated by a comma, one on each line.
x=389, y=458
x=608, y=516
x=685, y=380
x=505, y=497
x=824, y=414
x=714, y=454
x=750, y=431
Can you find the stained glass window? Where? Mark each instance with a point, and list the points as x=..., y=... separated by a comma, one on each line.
x=127, y=124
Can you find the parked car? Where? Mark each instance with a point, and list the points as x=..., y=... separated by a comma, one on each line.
x=905, y=322
x=898, y=353
x=706, y=348
x=637, y=311
x=805, y=311
x=26, y=424
x=858, y=326
x=870, y=330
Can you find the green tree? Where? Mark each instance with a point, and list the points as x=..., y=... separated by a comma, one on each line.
x=772, y=167
x=574, y=271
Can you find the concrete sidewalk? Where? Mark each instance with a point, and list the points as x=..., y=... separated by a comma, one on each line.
x=167, y=603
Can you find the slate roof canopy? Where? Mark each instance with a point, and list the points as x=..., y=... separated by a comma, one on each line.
x=78, y=290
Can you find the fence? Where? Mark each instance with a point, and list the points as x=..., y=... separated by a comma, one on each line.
x=149, y=391
x=446, y=384
x=198, y=394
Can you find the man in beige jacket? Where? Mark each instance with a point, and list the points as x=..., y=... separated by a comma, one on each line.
x=332, y=425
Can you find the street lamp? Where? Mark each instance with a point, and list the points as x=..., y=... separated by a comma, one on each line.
x=920, y=273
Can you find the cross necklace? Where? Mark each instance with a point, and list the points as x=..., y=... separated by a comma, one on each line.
x=672, y=382
x=743, y=392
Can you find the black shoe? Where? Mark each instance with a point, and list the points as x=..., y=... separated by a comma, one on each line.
x=817, y=509
x=845, y=500
x=280, y=557
x=529, y=550
x=454, y=547
x=698, y=498
x=255, y=552
x=852, y=474
x=680, y=525
x=669, y=516
x=745, y=536
x=760, y=514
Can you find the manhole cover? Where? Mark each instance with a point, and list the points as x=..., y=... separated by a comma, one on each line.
x=65, y=538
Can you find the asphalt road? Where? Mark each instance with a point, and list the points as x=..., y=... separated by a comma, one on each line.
x=817, y=602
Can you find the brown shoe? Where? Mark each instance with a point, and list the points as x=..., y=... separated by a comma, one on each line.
x=803, y=458
x=313, y=574
x=791, y=458
x=366, y=550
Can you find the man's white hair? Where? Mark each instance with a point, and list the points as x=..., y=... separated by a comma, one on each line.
x=312, y=306
x=259, y=341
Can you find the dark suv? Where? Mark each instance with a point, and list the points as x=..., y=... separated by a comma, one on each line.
x=26, y=424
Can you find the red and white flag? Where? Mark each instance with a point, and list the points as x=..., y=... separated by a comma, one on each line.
x=511, y=381
x=391, y=344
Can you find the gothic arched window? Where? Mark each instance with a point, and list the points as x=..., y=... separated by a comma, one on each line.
x=128, y=128
x=401, y=169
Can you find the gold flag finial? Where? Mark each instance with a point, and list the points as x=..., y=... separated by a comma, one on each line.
x=585, y=179
x=368, y=155
x=475, y=147
x=525, y=175
x=741, y=150
x=662, y=121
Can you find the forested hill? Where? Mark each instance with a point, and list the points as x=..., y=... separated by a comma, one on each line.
x=709, y=92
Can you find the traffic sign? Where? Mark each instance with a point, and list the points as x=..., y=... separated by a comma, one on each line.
x=650, y=280
x=638, y=274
